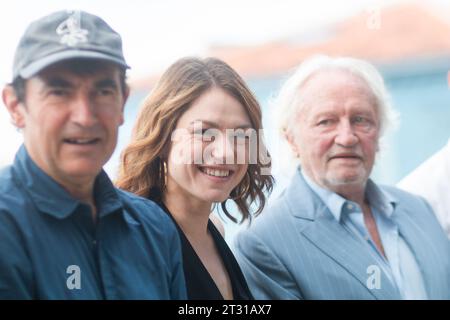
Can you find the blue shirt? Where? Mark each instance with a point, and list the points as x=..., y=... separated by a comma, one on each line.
x=50, y=247
x=400, y=265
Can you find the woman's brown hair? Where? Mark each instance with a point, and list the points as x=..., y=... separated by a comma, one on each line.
x=142, y=167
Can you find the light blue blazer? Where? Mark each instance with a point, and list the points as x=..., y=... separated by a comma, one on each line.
x=297, y=250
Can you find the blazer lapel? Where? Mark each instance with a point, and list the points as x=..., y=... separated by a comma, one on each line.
x=336, y=242
x=333, y=239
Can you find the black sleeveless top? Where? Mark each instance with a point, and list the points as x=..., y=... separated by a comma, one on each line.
x=199, y=283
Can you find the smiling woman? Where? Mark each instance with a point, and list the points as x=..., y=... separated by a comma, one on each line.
x=191, y=148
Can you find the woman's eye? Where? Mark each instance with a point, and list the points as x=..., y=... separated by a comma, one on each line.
x=241, y=138
x=204, y=134
x=240, y=135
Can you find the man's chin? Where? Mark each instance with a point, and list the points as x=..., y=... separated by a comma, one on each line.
x=347, y=180
x=84, y=171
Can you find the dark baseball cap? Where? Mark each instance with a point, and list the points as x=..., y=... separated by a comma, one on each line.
x=65, y=35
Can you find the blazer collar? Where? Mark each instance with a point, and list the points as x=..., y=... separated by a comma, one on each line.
x=329, y=236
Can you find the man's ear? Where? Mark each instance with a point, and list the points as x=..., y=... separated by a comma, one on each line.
x=14, y=106
x=291, y=141
x=126, y=94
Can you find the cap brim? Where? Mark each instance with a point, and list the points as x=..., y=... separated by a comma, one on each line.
x=36, y=66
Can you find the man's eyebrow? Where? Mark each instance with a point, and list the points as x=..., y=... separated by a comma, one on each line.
x=327, y=113
x=106, y=83
x=57, y=82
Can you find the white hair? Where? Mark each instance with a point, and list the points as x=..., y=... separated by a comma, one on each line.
x=285, y=104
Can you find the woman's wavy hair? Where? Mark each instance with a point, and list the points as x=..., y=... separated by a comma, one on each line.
x=142, y=168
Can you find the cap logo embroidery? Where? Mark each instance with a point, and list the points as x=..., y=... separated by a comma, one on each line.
x=71, y=32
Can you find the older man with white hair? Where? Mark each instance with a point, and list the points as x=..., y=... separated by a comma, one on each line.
x=334, y=233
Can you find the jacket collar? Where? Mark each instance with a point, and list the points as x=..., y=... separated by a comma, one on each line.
x=328, y=235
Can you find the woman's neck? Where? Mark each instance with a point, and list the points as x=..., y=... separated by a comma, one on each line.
x=191, y=214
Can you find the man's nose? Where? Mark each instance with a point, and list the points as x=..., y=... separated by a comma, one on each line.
x=346, y=135
x=83, y=111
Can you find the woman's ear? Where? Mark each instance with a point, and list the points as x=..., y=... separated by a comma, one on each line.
x=14, y=106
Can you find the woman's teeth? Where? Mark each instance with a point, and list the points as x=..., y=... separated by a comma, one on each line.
x=215, y=172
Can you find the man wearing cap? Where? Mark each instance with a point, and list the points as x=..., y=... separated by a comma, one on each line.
x=65, y=231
